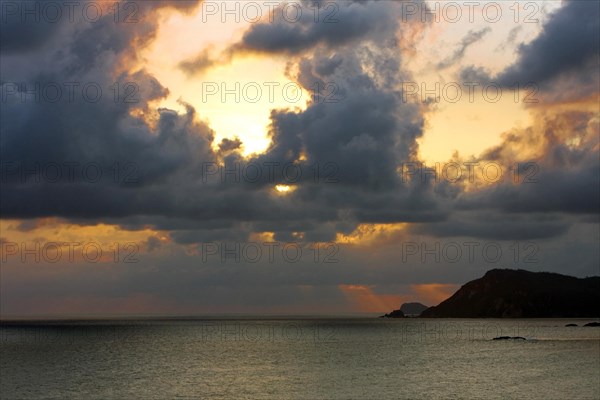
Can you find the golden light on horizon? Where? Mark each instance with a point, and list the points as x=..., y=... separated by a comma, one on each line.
x=364, y=298
x=368, y=234
x=62, y=236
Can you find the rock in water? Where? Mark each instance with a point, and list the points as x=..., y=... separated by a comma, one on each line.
x=592, y=324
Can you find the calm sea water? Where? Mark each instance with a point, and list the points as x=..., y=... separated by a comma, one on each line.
x=300, y=359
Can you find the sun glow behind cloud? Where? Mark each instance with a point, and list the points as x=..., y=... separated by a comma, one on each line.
x=234, y=96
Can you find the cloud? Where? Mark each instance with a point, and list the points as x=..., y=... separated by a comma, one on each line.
x=328, y=25
x=564, y=176
x=347, y=22
x=198, y=63
x=511, y=39
x=24, y=34
x=470, y=38
x=562, y=61
x=567, y=44
x=495, y=226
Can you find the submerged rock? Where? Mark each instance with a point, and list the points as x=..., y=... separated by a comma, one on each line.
x=592, y=324
x=509, y=338
x=571, y=325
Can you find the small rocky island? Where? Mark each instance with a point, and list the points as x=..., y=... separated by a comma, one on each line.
x=407, y=310
x=394, y=314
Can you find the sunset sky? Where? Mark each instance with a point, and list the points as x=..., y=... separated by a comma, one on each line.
x=267, y=159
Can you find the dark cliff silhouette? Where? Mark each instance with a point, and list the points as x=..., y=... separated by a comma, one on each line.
x=506, y=293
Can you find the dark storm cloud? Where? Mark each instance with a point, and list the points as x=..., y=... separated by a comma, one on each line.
x=575, y=191
x=567, y=43
x=348, y=22
x=27, y=25
x=326, y=67
x=19, y=34
x=567, y=48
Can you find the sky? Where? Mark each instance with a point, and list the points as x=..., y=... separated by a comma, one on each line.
x=291, y=157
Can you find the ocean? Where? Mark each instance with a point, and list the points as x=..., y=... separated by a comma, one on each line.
x=299, y=358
